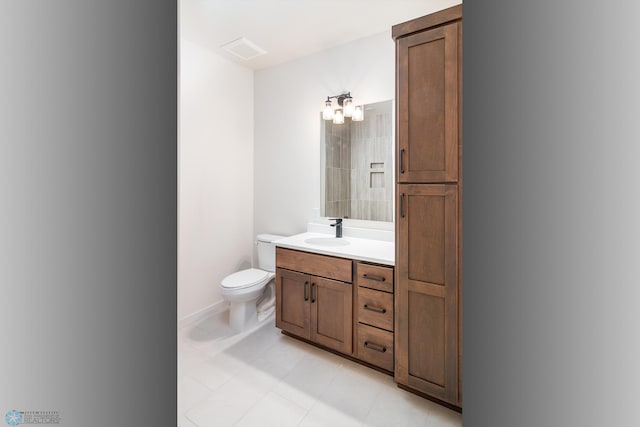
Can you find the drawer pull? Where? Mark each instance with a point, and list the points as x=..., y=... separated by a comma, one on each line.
x=376, y=278
x=375, y=347
x=376, y=309
x=306, y=287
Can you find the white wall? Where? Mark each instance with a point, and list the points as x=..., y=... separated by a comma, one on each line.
x=239, y=177
x=288, y=100
x=215, y=199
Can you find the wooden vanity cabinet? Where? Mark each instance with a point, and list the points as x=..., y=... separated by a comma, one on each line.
x=331, y=314
x=374, y=323
x=338, y=303
x=293, y=306
x=310, y=302
x=428, y=342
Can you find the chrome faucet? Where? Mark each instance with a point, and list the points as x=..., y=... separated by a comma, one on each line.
x=337, y=225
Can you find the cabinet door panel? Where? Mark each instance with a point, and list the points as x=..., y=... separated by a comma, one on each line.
x=426, y=250
x=332, y=314
x=293, y=302
x=426, y=337
x=427, y=290
x=428, y=105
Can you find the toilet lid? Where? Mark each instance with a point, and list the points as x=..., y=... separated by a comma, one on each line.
x=246, y=278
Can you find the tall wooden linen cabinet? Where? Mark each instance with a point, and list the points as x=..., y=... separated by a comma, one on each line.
x=428, y=349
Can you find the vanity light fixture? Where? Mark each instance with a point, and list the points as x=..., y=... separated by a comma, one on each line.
x=348, y=106
x=338, y=117
x=358, y=114
x=327, y=113
x=346, y=109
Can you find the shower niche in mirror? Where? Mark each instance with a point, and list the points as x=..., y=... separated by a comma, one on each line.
x=356, y=166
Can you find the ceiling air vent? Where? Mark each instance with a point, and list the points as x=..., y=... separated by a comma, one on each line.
x=243, y=48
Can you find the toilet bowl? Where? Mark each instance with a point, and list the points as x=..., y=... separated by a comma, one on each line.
x=244, y=288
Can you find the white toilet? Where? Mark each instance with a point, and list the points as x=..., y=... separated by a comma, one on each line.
x=243, y=288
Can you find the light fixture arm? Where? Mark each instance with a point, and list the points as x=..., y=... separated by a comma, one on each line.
x=347, y=108
x=340, y=98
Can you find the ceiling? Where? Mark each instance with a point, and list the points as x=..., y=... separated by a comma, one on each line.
x=289, y=29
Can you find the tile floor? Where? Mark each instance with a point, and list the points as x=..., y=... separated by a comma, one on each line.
x=263, y=378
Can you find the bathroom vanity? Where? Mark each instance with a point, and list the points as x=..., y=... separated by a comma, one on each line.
x=401, y=314
x=338, y=294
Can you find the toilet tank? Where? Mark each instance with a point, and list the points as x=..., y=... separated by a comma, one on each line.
x=267, y=251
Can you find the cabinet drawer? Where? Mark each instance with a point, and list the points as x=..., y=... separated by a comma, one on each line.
x=375, y=308
x=375, y=346
x=374, y=277
x=317, y=265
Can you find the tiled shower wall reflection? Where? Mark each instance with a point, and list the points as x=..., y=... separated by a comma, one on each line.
x=358, y=175
x=338, y=170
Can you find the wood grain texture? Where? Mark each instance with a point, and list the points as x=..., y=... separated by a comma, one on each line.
x=375, y=289
x=332, y=314
x=426, y=330
x=292, y=311
x=370, y=303
x=315, y=264
x=428, y=293
x=427, y=337
x=376, y=340
x=460, y=198
x=432, y=20
x=374, y=276
x=428, y=105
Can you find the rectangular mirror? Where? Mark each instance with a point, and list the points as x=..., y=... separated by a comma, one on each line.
x=356, y=166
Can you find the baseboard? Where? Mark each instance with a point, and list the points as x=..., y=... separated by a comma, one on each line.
x=199, y=315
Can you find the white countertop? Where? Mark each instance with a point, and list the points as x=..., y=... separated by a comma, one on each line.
x=377, y=251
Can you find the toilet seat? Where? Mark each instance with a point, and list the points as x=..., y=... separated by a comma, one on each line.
x=246, y=279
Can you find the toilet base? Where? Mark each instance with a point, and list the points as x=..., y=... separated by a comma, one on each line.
x=242, y=315
x=243, y=305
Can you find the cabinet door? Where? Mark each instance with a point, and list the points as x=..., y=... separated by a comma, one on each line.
x=332, y=314
x=293, y=296
x=426, y=290
x=428, y=69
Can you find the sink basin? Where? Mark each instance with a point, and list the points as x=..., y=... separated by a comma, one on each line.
x=326, y=241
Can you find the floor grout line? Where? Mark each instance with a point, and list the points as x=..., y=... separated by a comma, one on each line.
x=263, y=350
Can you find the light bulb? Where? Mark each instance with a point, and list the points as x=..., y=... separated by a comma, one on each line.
x=338, y=118
x=348, y=107
x=358, y=114
x=327, y=113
